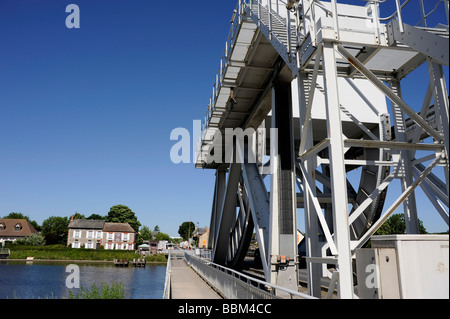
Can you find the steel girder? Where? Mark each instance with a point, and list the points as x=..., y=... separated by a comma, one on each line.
x=343, y=230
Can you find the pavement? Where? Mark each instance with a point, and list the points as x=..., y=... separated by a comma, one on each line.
x=187, y=284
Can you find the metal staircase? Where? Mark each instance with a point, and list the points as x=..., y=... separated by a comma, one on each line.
x=280, y=31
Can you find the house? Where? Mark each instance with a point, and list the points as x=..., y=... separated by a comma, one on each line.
x=119, y=236
x=153, y=246
x=85, y=233
x=12, y=229
x=201, y=236
x=154, y=233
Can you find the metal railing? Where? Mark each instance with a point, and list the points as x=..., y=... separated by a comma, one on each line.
x=166, y=294
x=229, y=44
x=424, y=16
x=234, y=285
x=205, y=254
x=236, y=20
x=4, y=252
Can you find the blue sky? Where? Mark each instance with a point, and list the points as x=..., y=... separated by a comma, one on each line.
x=86, y=114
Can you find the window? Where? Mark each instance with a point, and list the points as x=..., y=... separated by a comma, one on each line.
x=18, y=227
x=125, y=236
x=118, y=246
x=89, y=245
x=110, y=236
x=99, y=234
x=77, y=234
x=2, y=226
x=90, y=233
x=109, y=246
x=76, y=245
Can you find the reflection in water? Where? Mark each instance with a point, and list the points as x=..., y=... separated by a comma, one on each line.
x=48, y=280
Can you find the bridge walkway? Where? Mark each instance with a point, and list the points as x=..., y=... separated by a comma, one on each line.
x=187, y=284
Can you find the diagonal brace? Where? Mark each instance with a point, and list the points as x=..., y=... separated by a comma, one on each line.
x=389, y=93
x=395, y=205
x=307, y=182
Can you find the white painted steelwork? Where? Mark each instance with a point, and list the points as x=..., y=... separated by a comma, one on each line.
x=234, y=285
x=395, y=266
x=309, y=79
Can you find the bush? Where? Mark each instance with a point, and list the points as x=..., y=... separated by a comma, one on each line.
x=396, y=225
x=116, y=291
x=160, y=258
x=32, y=240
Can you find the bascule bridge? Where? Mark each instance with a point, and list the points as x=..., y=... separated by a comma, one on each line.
x=307, y=119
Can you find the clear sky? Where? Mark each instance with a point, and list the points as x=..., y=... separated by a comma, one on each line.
x=86, y=114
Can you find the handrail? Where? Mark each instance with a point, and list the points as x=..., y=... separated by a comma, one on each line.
x=166, y=294
x=251, y=282
x=396, y=12
x=235, y=21
x=424, y=15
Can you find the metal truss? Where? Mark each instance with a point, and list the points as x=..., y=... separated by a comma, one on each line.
x=311, y=172
x=405, y=166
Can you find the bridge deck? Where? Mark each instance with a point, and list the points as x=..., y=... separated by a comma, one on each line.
x=186, y=284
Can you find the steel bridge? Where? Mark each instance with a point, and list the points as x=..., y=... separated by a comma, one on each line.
x=306, y=104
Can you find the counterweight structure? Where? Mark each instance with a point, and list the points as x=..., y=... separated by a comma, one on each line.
x=298, y=116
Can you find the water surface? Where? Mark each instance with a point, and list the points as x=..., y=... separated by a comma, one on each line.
x=48, y=280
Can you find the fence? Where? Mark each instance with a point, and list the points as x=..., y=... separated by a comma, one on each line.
x=4, y=253
x=234, y=285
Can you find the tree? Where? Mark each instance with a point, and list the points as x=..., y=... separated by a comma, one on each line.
x=16, y=215
x=54, y=230
x=186, y=229
x=123, y=214
x=162, y=236
x=145, y=233
x=176, y=240
x=156, y=228
x=77, y=215
x=96, y=217
x=396, y=225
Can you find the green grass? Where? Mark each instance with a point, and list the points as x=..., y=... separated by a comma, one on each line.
x=60, y=252
x=158, y=258
x=116, y=291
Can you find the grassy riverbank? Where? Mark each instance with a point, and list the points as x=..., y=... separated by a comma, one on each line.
x=60, y=252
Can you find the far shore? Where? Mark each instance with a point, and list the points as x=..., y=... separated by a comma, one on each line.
x=74, y=261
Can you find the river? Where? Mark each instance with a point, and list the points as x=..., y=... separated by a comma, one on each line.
x=38, y=280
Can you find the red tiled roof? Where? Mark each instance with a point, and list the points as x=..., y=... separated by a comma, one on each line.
x=8, y=228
